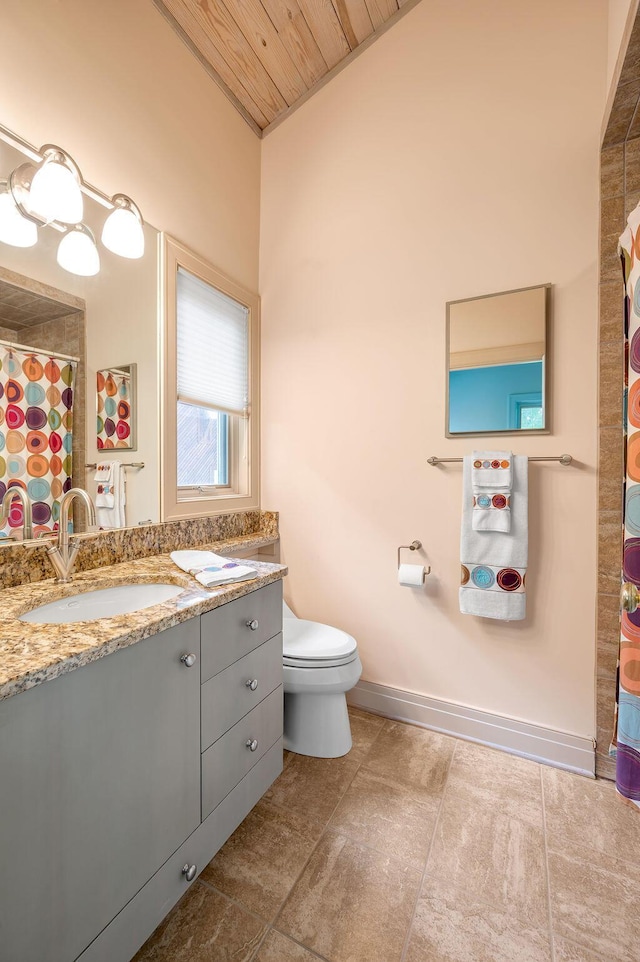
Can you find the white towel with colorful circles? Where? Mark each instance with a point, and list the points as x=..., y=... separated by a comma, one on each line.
x=491, y=476
x=493, y=564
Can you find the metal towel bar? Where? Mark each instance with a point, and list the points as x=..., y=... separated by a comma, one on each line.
x=562, y=458
x=125, y=464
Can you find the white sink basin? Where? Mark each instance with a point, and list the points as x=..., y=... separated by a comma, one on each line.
x=102, y=603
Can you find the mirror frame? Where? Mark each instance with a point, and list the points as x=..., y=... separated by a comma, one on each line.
x=546, y=379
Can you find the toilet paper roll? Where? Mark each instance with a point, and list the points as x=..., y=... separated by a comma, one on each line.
x=411, y=576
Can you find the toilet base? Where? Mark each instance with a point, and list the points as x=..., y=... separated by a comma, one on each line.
x=317, y=724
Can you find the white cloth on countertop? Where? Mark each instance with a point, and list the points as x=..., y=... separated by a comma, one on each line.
x=212, y=569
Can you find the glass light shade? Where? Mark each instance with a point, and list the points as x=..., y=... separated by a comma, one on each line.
x=14, y=228
x=55, y=193
x=78, y=254
x=123, y=234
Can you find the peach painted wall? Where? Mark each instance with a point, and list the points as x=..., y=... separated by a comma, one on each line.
x=457, y=156
x=112, y=84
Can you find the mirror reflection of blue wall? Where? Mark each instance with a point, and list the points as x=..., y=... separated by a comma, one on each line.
x=502, y=397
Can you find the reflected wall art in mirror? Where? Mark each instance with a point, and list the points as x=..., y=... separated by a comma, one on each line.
x=115, y=403
x=497, y=363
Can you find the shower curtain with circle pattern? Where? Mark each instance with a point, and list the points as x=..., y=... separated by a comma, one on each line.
x=626, y=741
x=36, y=434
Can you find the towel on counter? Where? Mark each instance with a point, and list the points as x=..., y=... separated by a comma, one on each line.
x=494, y=563
x=212, y=569
x=491, y=480
x=110, y=494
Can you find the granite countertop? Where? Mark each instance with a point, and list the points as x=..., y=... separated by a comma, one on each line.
x=33, y=653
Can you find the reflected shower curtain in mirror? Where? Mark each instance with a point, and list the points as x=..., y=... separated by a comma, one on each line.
x=626, y=742
x=36, y=434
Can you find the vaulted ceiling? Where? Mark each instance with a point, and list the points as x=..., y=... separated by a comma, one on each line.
x=270, y=55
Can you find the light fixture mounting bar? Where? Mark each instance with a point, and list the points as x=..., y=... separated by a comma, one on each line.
x=14, y=140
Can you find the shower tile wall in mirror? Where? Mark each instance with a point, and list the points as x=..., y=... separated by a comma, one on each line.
x=497, y=363
x=100, y=320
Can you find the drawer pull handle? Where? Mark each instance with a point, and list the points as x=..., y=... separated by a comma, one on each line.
x=188, y=660
x=189, y=872
x=252, y=683
x=252, y=744
x=253, y=624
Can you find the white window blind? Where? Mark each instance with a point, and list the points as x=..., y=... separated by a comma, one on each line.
x=212, y=347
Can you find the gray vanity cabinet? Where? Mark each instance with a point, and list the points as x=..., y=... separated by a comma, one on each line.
x=99, y=786
x=120, y=781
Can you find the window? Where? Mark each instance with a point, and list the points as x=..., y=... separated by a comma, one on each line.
x=530, y=416
x=210, y=451
x=526, y=411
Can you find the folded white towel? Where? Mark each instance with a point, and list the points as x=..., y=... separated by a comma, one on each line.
x=103, y=471
x=494, y=563
x=491, y=477
x=212, y=569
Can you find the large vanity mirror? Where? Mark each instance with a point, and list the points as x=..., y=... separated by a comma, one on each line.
x=497, y=360
x=58, y=330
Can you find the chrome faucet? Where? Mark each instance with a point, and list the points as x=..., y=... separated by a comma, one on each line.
x=27, y=514
x=63, y=554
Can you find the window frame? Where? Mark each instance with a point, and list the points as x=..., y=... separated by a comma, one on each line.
x=243, y=489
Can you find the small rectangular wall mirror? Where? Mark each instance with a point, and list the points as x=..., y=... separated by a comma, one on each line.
x=116, y=407
x=497, y=363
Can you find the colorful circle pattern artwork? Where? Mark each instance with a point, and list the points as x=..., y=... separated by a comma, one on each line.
x=631, y=562
x=113, y=424
x=632, y=509
x=626, y=742
x=633, y=456
x=633, y=404
x=482, y=576
x=509, y=579
x=491, y=464
x=36, y=392
x=492, y=577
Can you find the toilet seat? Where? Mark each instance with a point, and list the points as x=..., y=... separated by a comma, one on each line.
x=308, y=644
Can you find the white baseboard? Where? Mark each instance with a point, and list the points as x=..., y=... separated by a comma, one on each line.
x=560, y=749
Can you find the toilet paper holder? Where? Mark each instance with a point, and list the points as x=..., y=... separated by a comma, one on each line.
x=414, y=546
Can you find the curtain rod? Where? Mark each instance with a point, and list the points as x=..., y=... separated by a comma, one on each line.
x=562, y=458
x=28, y=349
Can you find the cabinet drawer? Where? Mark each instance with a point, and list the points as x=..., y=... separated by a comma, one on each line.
x=123, y=937
x=225, y=632
x=230, y=758
x=227, y=697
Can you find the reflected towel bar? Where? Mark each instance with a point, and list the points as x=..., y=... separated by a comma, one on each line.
x=562, y=458
x=125, y=464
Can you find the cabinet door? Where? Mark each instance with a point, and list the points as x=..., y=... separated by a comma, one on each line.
x=99, y=785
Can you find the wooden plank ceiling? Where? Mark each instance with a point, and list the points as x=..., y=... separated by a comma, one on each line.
x=267, y=55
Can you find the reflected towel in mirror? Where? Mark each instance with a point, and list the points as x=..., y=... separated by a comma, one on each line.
x=110, y=494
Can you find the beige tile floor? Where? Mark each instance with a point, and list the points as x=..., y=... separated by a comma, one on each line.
x=417, y=847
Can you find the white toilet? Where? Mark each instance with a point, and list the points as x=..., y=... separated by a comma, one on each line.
x=321, y=664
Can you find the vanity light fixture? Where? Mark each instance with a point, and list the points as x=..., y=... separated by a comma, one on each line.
x=14, y=228
x=123, y=232
x=46, y=191
x=55, y=187
x=77, y=252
